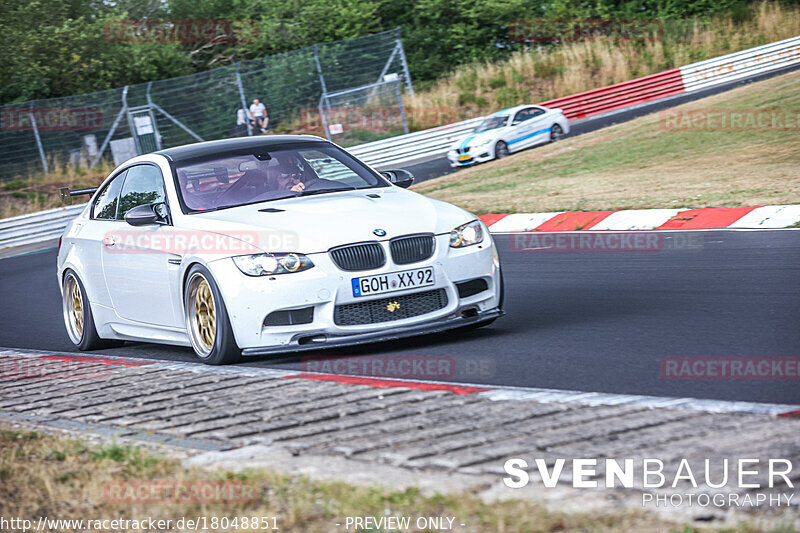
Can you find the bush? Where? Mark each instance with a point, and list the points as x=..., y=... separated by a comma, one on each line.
x=465, y=99
x=496, y=83
x=509, y=97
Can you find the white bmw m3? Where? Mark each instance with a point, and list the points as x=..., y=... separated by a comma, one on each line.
x=270, y=244
x=507, y=131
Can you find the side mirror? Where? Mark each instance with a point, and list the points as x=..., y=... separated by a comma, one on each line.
x=143, y=215
x=400, y=177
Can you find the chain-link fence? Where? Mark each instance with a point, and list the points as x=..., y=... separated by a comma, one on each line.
x=123, y=122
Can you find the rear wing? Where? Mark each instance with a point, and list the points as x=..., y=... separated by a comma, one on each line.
x=67, y=194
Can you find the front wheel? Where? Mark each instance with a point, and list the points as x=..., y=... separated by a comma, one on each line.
x=500, y=150
x=207, y=319
x=556, y=133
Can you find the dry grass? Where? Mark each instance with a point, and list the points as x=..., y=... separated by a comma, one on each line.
x=639, y=164
x=42, y=475
x=538, y=75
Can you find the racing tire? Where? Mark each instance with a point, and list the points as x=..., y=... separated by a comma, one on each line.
x=556, y=133
x=207, y=323
x=78, y=317
x=500, y=150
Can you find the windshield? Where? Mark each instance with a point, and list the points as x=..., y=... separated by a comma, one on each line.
x=497, y=121
x=230, y=180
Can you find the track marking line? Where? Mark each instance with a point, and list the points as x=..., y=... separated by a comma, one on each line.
x=383, y=383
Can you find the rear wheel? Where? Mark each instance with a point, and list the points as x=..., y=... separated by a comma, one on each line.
x=78, y=316
x=207, y=321
x=500, y=150
x=556, y=133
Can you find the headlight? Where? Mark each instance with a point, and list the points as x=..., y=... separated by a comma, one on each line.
x=271, y=264
x=466, y=234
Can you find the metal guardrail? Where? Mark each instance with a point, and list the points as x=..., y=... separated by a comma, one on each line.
x=739, y=65
x=404, y=149
x=36, y=227
x=423, y=144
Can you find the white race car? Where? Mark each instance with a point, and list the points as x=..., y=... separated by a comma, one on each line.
x=508, y=131
x=269, y=244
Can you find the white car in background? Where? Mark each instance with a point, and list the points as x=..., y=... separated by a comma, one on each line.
x=507, y=131
x=269, y=244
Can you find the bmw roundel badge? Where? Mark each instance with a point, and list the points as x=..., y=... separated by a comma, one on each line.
x=379, y=232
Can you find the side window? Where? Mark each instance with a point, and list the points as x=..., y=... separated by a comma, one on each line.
x=535, y=112
x=105, y=205
x=522, y=116
x=143, y=185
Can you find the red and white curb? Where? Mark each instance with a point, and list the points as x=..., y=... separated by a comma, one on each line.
x=490, y=392
x=763, y=217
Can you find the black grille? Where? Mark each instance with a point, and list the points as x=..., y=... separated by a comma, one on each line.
x=290, y=317
x=411, y=249
x=471, y=287
x=359, y=256
x=376, y=311
x=462, y=150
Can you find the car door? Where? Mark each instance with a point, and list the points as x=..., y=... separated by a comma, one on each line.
x=539, y=128
x=520, y=130
x=89, y=236
x=136, y=259
x=530, y=129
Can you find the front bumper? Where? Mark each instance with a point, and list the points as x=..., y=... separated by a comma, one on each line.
x=324, y=287
x=474, y=156
x=306, y=341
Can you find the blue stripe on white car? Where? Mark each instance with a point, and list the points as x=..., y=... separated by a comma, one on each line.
x=528, y=136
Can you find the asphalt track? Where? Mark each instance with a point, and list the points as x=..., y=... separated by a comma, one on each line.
x=590, y=321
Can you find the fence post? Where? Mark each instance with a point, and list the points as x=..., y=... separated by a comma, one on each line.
x=322, y=116
x=152, y=116
x=324, y=93
x=38, y=141
x=111, y=131
x=402, y=108
x=244, y=100
x=405, y=63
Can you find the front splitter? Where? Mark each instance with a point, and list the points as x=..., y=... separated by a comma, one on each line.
x=316, y=341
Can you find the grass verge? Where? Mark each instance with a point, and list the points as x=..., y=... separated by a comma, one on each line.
x=57, y=477
x=645, y=163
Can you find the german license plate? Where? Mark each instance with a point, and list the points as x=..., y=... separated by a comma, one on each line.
x=393, y=281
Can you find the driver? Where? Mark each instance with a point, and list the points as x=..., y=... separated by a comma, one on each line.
x=288, y=176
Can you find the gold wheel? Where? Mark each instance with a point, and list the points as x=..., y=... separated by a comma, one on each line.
x=202, y=315
x=73, y=308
